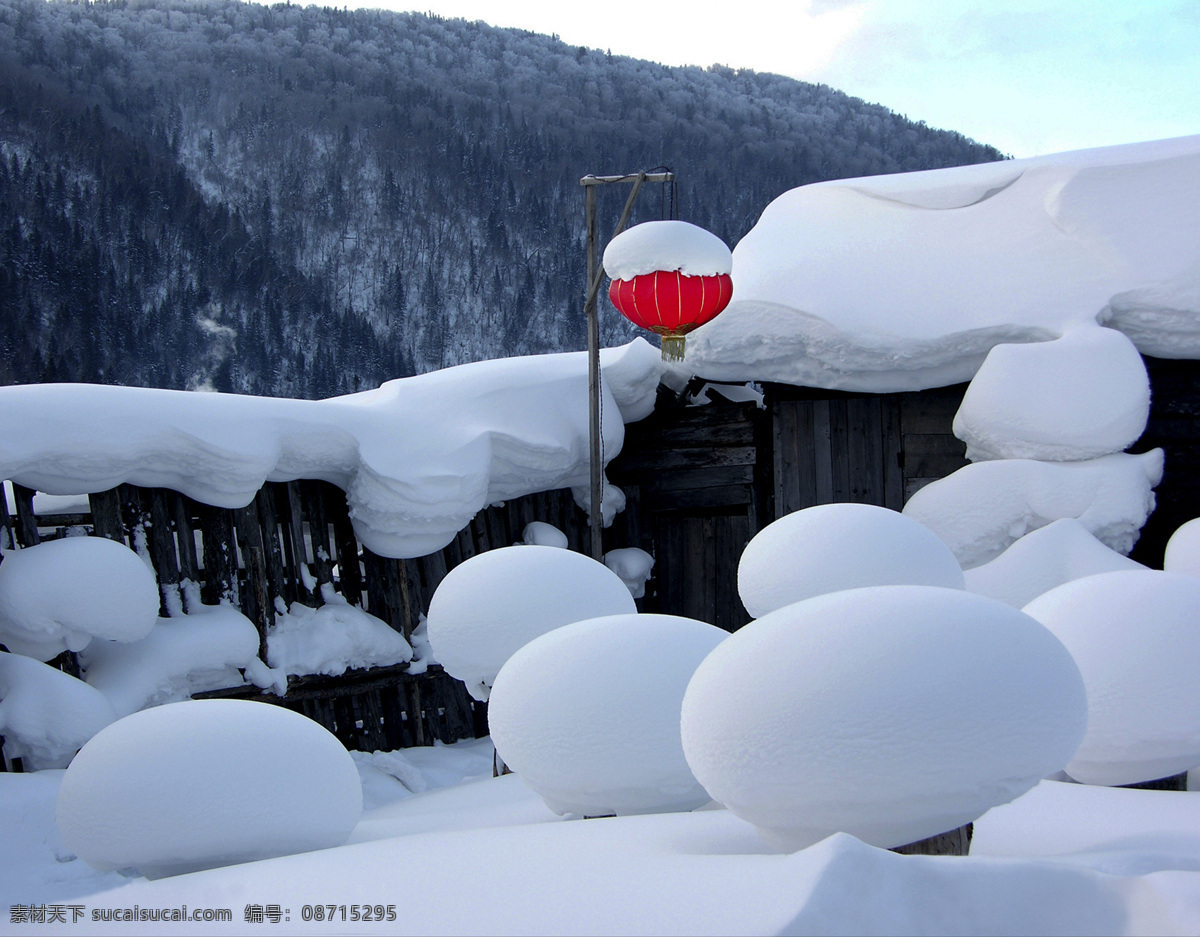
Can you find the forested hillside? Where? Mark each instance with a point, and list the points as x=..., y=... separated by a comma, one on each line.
x=305, y=201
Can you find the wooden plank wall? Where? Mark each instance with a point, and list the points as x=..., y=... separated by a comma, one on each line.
x=694, y=481
x=1174, y=425
x=701, y=481
x=830, y=446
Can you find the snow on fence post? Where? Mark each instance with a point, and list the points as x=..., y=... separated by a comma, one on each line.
x=185, y=536
x=350, y=576
x=313, y=501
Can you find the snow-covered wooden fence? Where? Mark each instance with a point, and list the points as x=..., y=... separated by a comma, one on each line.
x=293, y=543
x=700, y=481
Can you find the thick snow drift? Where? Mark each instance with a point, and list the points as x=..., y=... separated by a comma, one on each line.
x=1061, y=551
x=60, y=594
x=417, y=458
x=831, y=547
x=588, y=714
x=332, y=639
x=838, y=286
x=496, y=602
x=207, y=649
x=1136, y=638
x=45, y=714
x=981, y=509
x=1081, y=396
x=1183, y=549
x=891, y=712
x=668, y=246
x=205, y=783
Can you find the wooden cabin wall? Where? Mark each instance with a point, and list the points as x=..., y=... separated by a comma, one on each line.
x=697, y=482
x=832, y=446
x=701, y=481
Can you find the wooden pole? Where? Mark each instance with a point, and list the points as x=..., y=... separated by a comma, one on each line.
x=596, y=518
x=595, y=274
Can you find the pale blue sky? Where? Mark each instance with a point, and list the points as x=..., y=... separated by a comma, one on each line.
x=1028, y=76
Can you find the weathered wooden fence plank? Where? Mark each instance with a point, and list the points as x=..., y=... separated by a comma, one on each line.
x=823, y=488
x=160, y=542
x=257, y=602
x=312, y=497
x=273, y=552
x=106, y=515
x=220, y=558
x=350, y=579
x=295, y=546
x=27, y=530
x=182, y=511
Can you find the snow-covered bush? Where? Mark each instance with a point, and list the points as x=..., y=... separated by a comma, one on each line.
x=1081, y=396
x=45, y=714
x=1044, y=558
x=980, y=510
x=832, y=547
x=58, y=595
x=633, y=565
x=1135, y=635
x=893, y=713
x=206, y=783
x=496, y=602
x=588, y=714
x=1183, y=549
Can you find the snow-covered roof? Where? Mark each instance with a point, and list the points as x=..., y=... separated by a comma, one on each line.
x=417, y=457
x=904, y=282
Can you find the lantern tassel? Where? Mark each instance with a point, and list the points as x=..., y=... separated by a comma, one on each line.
x=672, y=347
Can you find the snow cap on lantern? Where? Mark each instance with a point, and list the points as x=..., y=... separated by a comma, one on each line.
x=669, y=277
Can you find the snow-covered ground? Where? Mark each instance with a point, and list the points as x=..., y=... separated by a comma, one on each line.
x=472, y=854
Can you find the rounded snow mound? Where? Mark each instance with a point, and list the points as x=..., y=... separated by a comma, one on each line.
x=539, y=533
x=983, y=508
x=892, y=713
x=832, y=547
x=1061, y=551
x=1135, y=636
x=666, y=245
x=496, y=602
x=588, y=714
x=633, y=565
x=1081, y=396
x=206, y=783
x=1183, y=549
x=45, y=714
x=60, y=594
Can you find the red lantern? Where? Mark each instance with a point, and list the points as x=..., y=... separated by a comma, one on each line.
x=671, y=303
